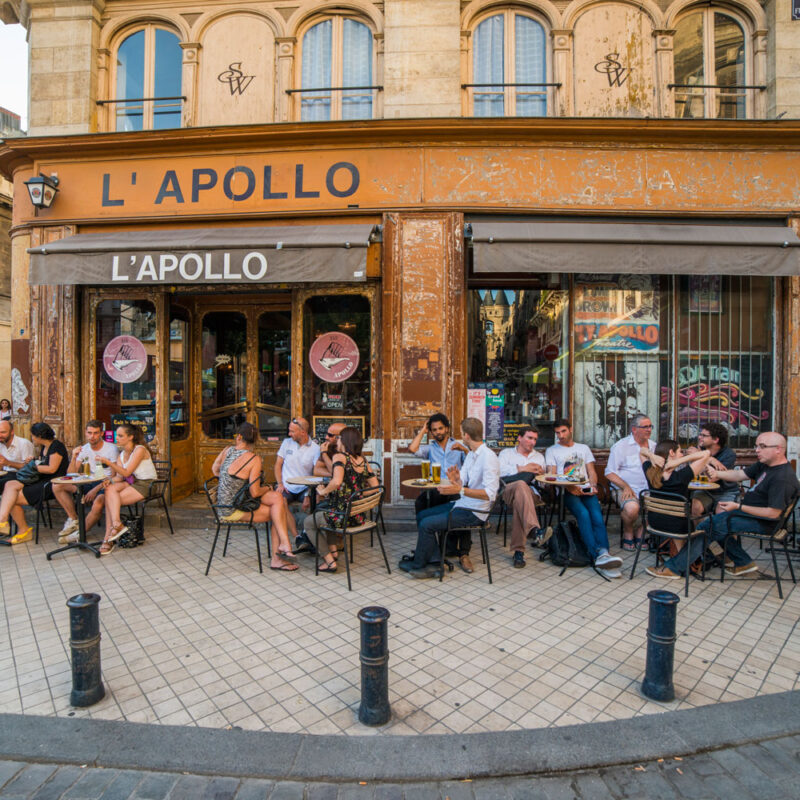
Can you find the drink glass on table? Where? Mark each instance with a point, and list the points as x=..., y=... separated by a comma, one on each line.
x=87, y=468
x=425, y=467
x=436, y=472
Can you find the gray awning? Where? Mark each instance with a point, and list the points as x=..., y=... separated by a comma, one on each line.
x=628, y=247
x=285, y=254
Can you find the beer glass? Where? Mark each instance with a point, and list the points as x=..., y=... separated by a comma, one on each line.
x=425, y=466
x=436, y=471
x=87, y=467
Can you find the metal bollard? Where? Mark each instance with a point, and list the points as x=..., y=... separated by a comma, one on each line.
x=657, y=683
x=374, y=708
x=84, y=629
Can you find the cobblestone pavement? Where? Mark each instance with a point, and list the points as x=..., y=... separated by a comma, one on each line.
x=768, y=770
x=278, y=651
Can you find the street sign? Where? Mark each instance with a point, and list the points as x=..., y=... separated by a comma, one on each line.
x=551, y=351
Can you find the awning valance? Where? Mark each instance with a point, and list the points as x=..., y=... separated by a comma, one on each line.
x=285, y=254
x=631, y=247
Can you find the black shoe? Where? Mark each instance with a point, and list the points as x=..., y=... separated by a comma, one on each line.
x=540, y=537
x=406, y=566
x=425, y=572
x=519, y=559
x=302, y=545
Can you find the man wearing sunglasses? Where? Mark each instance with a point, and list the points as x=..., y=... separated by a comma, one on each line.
x=774, y=486
x=328, y=449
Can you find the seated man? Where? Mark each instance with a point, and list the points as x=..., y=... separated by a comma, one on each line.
x=95, y=447
x=519, y=465
x=714, y=438
x=567, y=456
x=775, y=486
x=14, y=451
x=475, y=484
x=328, y=449
x=624, y=473
x=297, y=456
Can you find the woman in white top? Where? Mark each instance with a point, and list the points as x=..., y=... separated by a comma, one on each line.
x=132, y=474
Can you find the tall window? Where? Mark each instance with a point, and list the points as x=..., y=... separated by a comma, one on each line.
x=710, y=55
x=336, y=71
x=509, y=67
x=148, y=70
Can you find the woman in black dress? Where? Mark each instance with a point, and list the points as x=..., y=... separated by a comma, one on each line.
x=53, y=463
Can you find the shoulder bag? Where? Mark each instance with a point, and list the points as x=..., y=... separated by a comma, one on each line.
x=243, y=500
x=28, y=474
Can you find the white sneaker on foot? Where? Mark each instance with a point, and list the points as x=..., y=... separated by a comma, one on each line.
x=611, y=574
x=69, y=526
x=608, y=561
x=71, y=538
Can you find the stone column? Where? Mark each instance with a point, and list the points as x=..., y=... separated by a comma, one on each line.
x=665, y=72
x=284, y=79
x=563, y=96
x=191, y=60
x=757, y=100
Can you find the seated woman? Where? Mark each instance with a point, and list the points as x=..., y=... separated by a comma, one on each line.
x=351, y=473
x=53, y=463
x=238, y=466
x=131, y=476
x=669, y=469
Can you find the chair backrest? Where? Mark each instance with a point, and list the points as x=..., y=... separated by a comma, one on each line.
x=665, y=504
x=786, y=515
x=211, y=487
x=376, y=468
x=163, y=470
x=365, y=500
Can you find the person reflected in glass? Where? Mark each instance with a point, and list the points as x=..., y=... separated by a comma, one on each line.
x=238, y=466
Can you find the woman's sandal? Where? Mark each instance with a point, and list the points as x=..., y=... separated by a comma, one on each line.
x=629, y=544
x=287, y=556
x=116, y=531
x=327, y=567
x=107, y=547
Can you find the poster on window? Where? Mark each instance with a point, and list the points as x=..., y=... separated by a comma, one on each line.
x=617, y=313
x=737, y=393
x=609, y=393
x=705, y=294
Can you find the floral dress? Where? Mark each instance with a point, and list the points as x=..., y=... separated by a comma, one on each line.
x=355, y=479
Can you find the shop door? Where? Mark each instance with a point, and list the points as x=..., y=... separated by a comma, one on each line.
x=181, y=431
x=243, y=354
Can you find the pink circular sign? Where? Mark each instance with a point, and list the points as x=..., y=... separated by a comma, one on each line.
x=333, y=357
x=124, y=359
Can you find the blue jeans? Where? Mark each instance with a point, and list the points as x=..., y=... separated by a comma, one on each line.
x=719, y=529
x=432, y=521
x=589, y=515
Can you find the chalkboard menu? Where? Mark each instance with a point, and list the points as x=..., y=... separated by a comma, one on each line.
x=321, y=425
x=511, y=433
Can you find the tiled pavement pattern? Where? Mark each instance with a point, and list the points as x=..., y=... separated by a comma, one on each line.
x=279, y=651
x=769, y=769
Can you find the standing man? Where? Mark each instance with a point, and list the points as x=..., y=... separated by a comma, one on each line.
x=328, y=449
x=474, y=489
x=518, y=466
x=95, y=447
x=581, y=499
x=297, y=456
x=714, y=438
x=441, y=449
x=14, y=451
x=774, y=486
x=625, y=474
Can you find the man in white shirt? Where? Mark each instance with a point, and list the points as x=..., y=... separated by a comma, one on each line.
x=518, y=467
x=95, y=447
x=297, y=456
x=626, y=476
x=569, y=458
x=14, y=451
x=475, y=485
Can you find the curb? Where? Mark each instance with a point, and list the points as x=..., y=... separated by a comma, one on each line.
x=306, y=757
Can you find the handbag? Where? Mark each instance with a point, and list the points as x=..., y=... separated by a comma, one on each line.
x=28, y=474
x=244, y=501
x=134, y=536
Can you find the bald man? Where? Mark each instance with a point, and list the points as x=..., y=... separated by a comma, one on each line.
x=296, y=458
x=774, y=487
x=324, y=466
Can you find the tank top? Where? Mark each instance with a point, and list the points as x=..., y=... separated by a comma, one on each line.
x=146, y=471
x=229, y=484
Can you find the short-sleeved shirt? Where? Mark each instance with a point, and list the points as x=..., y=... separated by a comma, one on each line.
x=677, y=483
x=20, y=450
x=298, y=460
x=447, y=457
x=567, y=459
x=109, y=450
x=624, y=461
x=774, y=487
x=56, y=448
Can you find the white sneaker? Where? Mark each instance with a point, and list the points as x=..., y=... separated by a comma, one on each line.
x=71, y=538
x=69, y=526
x=608, y=561
x=611, y=574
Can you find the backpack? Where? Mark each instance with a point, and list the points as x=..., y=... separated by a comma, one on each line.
x=565, y=548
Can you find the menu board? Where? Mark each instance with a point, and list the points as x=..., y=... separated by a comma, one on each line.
x=511, y=433
x=320, y=425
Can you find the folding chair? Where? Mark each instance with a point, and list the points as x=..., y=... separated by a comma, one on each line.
x=481, y=527
x=157, y=494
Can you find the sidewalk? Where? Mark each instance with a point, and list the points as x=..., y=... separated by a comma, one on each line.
x=279, y=651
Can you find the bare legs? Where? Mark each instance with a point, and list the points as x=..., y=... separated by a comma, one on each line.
x=63, y=495
x=11, y=504
x=278, y=513
x=117, y=495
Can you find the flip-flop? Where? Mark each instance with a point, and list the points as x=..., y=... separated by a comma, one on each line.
x=290, y=556
x=285, y=568
x=326, y=567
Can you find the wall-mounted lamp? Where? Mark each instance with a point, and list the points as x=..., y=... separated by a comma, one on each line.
x=42, y=190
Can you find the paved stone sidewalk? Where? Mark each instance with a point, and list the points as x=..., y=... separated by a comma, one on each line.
x=768, y=769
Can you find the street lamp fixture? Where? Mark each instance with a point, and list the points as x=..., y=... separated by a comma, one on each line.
x=42, y=190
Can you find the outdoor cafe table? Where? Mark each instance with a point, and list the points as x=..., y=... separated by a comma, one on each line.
x=312, y=481
x=82, y=484
x=559, y=483
x=708, y=485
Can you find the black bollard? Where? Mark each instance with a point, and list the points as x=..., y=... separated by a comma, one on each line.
x=657, y=683
x=374, y=708
x=84, y=629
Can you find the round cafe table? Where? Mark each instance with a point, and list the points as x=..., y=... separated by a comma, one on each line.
x=82, y=484
x=703, y=485
x=559, y=483
x=416, y=483
x=311, y=481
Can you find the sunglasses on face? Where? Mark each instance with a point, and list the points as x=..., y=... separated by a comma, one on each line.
x=329, y=435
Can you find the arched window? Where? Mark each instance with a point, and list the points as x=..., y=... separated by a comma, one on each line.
x=710, y=66
x=148, y=81
x=336, y=79
x=509, y=67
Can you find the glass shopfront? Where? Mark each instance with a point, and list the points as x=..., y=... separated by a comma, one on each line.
x=599, y=349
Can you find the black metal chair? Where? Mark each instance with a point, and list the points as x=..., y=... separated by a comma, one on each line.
x=481, y=528
x=777, y=534
x=157, y=494
x=669, y=504
x=501, y=508
x=222, y=517
x=368, y=502
x=377, y=471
